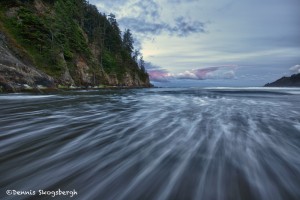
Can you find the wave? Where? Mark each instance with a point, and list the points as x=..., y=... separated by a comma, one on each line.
x=153, y=144
x=24, y=97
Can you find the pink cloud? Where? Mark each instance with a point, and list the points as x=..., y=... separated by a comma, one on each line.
x=219, y=72
x=216, y=72
x=187, y=75
x=159, y=75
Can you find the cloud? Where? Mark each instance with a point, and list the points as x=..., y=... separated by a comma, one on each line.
x=181, y=1
x=148, y=8
x=295, y=69
x=142, y=26
x=187, y=75
x=158, y=74
x=150, y=66
x=148, y=19
x=144, y=17
x=108, y=6
x=262, y=42
x=220, y=72
x=183, y=26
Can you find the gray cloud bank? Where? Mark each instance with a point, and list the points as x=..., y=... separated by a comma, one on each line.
x=144, y=17
x=182, y=27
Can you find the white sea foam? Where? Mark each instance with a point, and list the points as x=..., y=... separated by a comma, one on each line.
x=24, y=97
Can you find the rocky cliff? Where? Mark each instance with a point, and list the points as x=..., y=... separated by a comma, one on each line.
x=292, y=81
x=64, y=43
x=16, y=74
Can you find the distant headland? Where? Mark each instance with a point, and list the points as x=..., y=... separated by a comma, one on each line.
x=291, y=81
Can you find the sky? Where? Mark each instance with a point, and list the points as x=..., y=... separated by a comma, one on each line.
x=212, y=42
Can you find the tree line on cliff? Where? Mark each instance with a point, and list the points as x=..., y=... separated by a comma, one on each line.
x=58, y=35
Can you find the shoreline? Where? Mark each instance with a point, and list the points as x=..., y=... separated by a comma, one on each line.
x=42, y=89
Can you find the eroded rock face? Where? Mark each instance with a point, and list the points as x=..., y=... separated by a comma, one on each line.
x=83, y=71
x=15, y=75
x=132, y=80
x=111, y=79
x=66, y=78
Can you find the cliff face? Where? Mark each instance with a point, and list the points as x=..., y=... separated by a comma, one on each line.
x=16, y=75
x=292, y=81
x=64, y=43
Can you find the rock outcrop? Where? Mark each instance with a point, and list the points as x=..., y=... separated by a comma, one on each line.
x=292, y=81
x=15, y=75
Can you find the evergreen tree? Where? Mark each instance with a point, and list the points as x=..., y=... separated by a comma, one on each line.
x=128, y=41
x=142, y=65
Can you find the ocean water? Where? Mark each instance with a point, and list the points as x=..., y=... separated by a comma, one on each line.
x=160, y=143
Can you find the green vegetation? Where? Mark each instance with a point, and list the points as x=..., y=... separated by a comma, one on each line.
x=58, y=34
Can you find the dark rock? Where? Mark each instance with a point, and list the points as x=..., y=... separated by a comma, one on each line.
x=14, y=74
x=292, y=81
